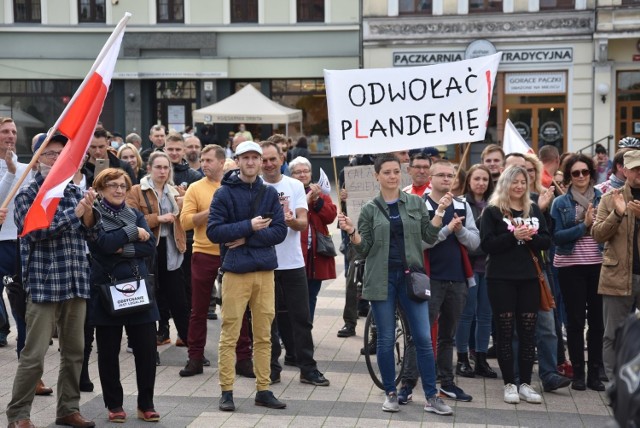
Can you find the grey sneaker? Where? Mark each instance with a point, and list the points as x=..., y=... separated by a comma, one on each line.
x=391, y=403
x=437, y=405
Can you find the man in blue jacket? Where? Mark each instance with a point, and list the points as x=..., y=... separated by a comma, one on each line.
x=247, y=221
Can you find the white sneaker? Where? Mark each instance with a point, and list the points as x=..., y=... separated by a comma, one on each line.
x=391, y=403
x=528, y=394
x=511, y=394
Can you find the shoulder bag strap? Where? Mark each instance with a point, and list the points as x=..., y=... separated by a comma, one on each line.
x=146, y=199
x=404, y=257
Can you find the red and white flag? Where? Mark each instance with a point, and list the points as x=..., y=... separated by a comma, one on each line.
x=512, y=141
x=77, y=122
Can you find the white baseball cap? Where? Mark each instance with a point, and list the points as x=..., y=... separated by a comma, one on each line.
x=248, y=146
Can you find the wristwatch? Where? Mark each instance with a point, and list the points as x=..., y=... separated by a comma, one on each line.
x=440, y=213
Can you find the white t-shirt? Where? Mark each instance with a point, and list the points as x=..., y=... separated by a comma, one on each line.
x=292, y=195
x=9, y=231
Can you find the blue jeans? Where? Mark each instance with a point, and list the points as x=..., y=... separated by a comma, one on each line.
x=417, y=315
x=478, y=308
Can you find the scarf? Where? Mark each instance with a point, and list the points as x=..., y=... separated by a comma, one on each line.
x=583, y=200
x=616, y=182
x=114, y=218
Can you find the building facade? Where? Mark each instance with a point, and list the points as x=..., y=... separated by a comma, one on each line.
x=567, y=75
x=176, y=56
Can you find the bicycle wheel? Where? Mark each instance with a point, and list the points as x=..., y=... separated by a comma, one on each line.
x=370, y=342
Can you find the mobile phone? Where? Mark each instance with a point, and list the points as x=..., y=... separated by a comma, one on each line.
x=101, y=165
x=267, y=215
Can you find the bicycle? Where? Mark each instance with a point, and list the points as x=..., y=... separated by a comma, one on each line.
x=402, y=337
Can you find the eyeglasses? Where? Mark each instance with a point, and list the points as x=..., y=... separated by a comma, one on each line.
x=421, y=168
x=116, y=186
x=51, y=154
x=298, y=172
x=583, y=172
x=442, y=175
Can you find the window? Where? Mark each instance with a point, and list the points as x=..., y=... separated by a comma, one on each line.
x=308, y=95
x=91, y=11
x=26, y=11
x=480, y=6
x=415, y=7
x=310, y=10
x=244, y=11
x=557, y=4
x=631, y=2
x=35, y=105
x=170, y=11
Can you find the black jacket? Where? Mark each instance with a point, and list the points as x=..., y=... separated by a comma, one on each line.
x=183, y=173
x=89, y=169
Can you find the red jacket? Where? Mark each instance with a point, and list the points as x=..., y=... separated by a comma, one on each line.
x=320, y=214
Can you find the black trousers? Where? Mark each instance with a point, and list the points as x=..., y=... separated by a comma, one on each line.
x=172, y=293
x=142, y=338
x=292, y=322
x=515, y=304
x=579, y=285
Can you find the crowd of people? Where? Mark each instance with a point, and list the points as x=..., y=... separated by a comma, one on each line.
x=147, y=214
x=179, y=215
x=512, y=226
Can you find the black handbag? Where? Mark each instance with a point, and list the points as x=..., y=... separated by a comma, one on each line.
x=324, y=245
x=128, y=296
x=416, y=279
x=418, y=284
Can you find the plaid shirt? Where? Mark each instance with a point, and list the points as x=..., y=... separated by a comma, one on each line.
x=57, y=269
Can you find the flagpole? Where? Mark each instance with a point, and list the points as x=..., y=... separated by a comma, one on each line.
x=27, y=170
x=462, y=162
x=105, y=49
x=335, y=177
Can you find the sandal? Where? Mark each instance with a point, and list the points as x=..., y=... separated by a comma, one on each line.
x=117, y=415
x=148, y=415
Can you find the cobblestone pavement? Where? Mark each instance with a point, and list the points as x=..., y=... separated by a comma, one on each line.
x=351, y=400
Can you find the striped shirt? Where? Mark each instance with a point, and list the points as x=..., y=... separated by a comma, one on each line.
x=585, y=252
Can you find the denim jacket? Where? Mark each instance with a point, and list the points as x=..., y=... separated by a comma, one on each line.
x=566, y=230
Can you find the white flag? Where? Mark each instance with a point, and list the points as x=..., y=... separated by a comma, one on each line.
x=324, y=182
x=512, y=141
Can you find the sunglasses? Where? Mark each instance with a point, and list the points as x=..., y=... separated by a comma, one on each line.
x=578, y=173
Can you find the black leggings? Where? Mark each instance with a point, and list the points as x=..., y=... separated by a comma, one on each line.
x=515, y=301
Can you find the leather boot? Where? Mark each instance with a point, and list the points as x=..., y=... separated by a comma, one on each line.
x=463, y=368
x=85, y=383
x=482, y=366
x=593, y=378
x=192, y=368
x=43, y=390
x=578, y=382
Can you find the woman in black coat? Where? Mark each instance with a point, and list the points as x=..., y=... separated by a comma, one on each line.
x=119, y=250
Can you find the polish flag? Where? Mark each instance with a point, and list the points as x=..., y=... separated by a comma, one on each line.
x=512, y=141
x=77, y=122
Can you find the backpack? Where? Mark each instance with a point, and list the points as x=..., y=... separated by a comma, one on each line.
x=625, y=390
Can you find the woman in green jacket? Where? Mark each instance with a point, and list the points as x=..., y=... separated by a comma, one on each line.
x=384, y=242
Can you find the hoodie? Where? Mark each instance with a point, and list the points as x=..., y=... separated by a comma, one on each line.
x=230, y=219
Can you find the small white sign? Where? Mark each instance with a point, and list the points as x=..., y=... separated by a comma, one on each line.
x=535, y=83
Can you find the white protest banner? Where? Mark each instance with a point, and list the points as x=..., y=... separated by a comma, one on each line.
x=362, y=186
x=512, y=141
x=389, y=109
